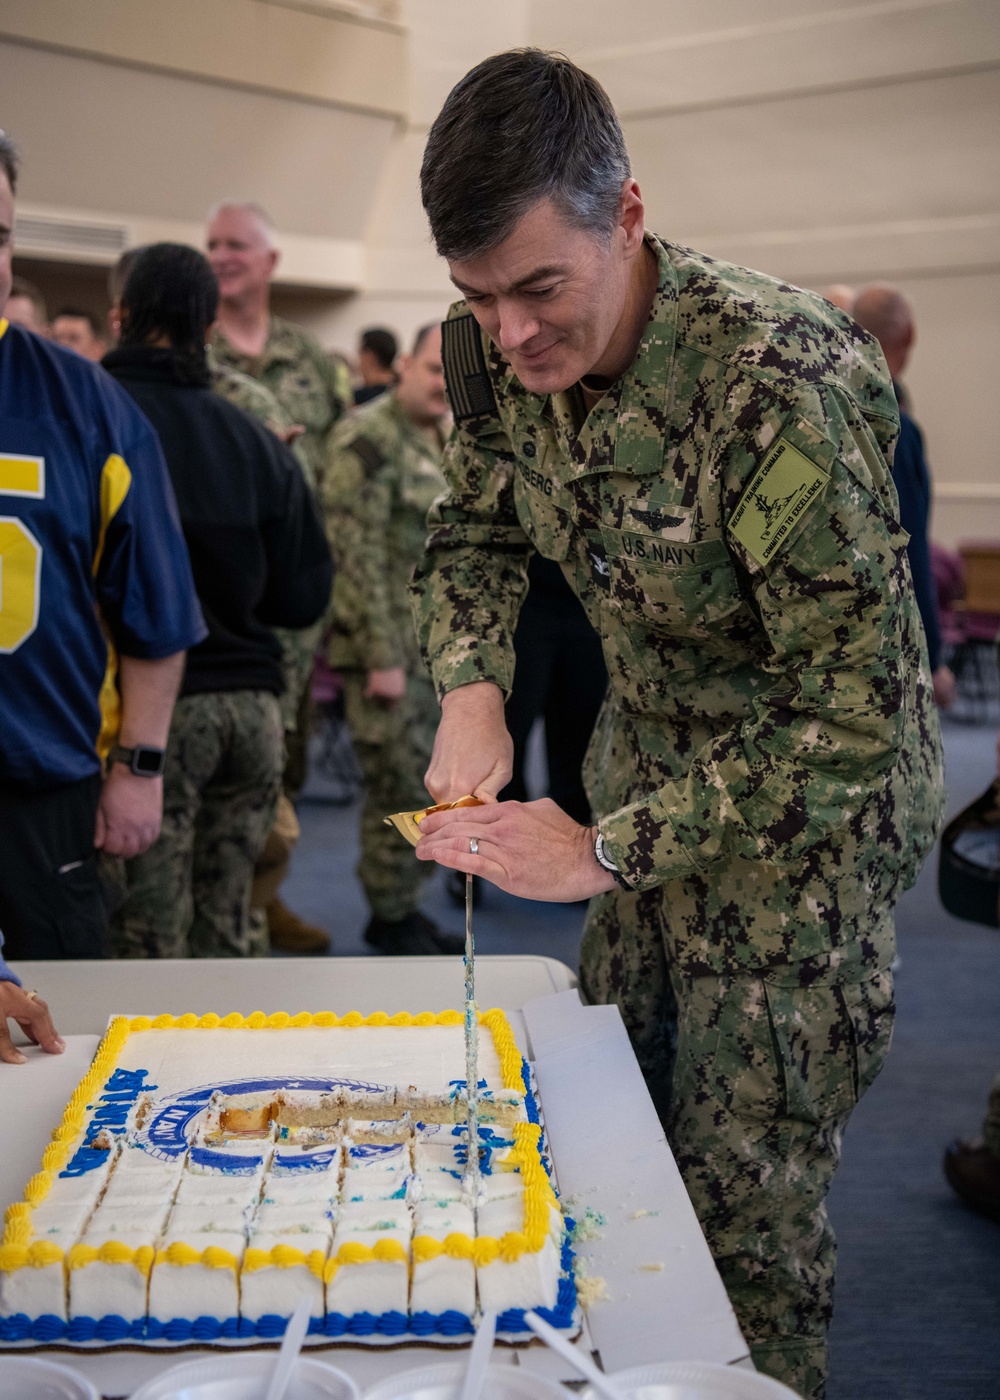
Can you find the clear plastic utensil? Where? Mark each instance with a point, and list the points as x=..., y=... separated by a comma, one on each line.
x=295, y=1335
x=601, y=1383
x=479, y=1358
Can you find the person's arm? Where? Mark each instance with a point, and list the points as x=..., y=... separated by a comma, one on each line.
x=466, y=595
x=357, y=506
x=823, y=731
x=299, y=567
x=910, y=474
x=30, y=1013
x=131, y=807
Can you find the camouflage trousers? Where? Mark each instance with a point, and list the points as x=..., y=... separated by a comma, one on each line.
x=991, y=1123
x=393, y=746
x=755, y=1075
x=189, y=894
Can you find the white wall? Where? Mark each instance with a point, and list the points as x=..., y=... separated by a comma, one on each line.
x=818, y=140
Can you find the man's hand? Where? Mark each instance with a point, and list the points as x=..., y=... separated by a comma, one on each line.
x=388, y=686
x=128, y=813
x=32, y=1015
x=532, y=849
x=473, y=753
x=944, y=688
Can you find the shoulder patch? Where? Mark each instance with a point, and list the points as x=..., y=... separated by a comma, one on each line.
x=371, y=458
x=466, y=375
x=784, y=485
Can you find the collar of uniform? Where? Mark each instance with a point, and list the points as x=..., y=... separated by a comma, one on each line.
x=408, y=428
x=646, y=386
x=3, y=328
x=277, y=347
x=624, y=431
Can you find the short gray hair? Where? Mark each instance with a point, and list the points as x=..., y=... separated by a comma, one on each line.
x=521, y=126
x=250, y=206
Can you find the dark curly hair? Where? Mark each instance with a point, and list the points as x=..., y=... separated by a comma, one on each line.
x=171, y=291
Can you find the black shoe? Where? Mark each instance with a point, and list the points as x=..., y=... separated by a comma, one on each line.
x=974, y=1174
x=454, y=884
x=413, y=937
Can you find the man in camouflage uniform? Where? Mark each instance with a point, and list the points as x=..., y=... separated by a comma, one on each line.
x=384, y=475
x=704, y=450
x=311, y=390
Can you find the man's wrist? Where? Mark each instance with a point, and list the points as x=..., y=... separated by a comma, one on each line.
x=605, y=861
x=482, y=695
x=142, y=760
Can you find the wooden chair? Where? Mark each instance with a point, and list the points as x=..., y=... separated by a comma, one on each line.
x=978, y=616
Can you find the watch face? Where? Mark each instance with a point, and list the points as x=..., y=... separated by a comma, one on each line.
x=148, y=762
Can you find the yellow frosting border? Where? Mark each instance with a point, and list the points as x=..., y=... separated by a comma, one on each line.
x=18, y=1250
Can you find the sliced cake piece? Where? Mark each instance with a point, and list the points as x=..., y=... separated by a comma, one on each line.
x=279, y=1267
x=442, y=1282
x=196, y=1276
x=371, y=1250
x=531, y=1280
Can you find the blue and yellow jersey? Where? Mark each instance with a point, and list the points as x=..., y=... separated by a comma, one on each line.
x=92, y=558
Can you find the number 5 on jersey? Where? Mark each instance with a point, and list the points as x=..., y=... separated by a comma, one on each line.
x=20, y=552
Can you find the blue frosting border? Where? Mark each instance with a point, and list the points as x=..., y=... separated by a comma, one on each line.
x=21, y=1328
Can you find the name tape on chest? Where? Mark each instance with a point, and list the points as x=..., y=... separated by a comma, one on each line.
x=782, y=490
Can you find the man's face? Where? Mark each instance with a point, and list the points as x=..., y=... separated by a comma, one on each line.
x=76, y=334
x=421, y=381
x=6, y=239
x=240, y=253
x=549, y=297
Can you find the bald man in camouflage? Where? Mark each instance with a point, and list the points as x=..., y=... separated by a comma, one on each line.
x=705, y=452
x=313, y=392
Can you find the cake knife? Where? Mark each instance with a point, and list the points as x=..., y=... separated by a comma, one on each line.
x=471, y=1050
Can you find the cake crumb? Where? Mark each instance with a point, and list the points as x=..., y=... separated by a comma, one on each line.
x=590, y=1288
x=588, y=1225
x=656, y=1267
x=642, y=1214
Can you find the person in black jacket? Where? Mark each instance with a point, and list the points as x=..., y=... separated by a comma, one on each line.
x=260, y=560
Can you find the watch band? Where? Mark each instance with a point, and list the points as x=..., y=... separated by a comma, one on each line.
x=606, y=863
x=144, y=760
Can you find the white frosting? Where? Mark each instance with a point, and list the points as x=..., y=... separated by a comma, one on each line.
x=99, y=1289
x=427, y=1057
x=375, y=1286
x=219, y=1190
x=304, y=1217
x=192, y=1290
x=274, y=1291
x=37, y=1292
x=443, y=1284
x=229, y=1217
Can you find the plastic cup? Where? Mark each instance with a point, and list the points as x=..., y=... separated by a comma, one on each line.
x=245, y=1376
x=36, y=1378
x=444, y=1382
x=694, y=1380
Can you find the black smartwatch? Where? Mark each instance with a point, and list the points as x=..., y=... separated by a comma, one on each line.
x=143, y=761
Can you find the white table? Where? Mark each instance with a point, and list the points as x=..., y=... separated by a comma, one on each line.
x=666, y=1299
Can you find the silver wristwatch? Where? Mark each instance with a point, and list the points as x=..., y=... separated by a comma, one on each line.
x=605, y=861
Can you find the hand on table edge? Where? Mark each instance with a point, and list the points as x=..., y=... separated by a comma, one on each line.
x=32, y=1015
x=531, y=849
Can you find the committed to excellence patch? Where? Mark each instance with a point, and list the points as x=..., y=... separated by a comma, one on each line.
x=785, y=484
